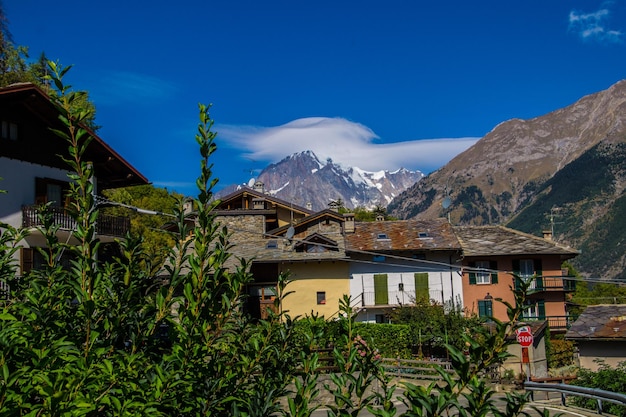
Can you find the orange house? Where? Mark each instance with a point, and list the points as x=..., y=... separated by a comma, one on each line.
x=492, y=254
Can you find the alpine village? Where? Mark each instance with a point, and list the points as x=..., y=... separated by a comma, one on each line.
x=502, y=268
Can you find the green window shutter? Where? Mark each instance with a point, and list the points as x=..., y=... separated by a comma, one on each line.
x=541, y=309
x=493, y=265
x=421, y=285
x=381, y=295
x=516, y=270
x=539, y=273
x=472, y=274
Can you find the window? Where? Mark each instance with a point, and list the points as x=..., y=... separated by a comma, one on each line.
x=535, y=310
x=527, y=269
x=381, y=319
x=9, y=130
x=381, y=295
x=52, y=191
x=378, y=258
x=321, y=297
x=423, y=235
x=485, y=308
x=272, y=244
x=483, y=272
x=382, y=236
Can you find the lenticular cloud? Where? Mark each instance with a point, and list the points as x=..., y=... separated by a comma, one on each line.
x=346, y=143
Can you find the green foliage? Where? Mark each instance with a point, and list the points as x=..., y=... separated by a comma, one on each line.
x=605, y=378
x=156, y=241
x=109, y=339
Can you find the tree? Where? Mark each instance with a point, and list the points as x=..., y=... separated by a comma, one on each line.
x=156, y=241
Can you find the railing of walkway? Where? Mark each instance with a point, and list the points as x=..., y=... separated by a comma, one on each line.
x=565, y=389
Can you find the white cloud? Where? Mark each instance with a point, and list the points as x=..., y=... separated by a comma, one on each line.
x=593, y=26
x=347, y=143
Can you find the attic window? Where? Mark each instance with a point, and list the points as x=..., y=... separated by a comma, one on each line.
x=423, y=235
x=382, y=236
x=272, y=244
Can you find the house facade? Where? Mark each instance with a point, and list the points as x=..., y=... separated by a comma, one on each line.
x=600, y=334
x=33, y=173
x=393, y=263
x=282, y=238
x=493, y=255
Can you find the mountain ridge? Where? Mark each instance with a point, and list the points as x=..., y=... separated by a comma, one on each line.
x=521, y=165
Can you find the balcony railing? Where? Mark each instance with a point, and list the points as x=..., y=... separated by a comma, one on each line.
x=116, y=226
x=550, y=283
x=556, y=323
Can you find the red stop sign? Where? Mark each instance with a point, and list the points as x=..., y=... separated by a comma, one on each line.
x=525, y=339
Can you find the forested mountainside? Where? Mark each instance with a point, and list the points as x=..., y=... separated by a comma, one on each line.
x=565, y=170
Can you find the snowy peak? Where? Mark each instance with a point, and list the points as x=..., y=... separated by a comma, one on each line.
x=304, y=179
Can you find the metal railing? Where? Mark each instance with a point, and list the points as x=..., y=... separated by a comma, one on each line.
x=106, y=225
x=564, y=389
x=556, y=323
x=549, y=283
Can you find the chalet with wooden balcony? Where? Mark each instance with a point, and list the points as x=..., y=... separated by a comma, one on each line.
x=33, y=172
x=493, y=255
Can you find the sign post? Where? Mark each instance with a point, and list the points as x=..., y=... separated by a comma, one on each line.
x=525, y=339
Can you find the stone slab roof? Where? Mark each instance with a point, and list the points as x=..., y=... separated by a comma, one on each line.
x=402, y=235
x=500, y=240
x=600, y=322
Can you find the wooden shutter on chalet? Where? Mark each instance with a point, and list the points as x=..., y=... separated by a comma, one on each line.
x=541, y=309
x=26, y=260
x=381, y=295
x=421, y=285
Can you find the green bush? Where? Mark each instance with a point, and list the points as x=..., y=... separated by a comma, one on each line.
x=605, y=378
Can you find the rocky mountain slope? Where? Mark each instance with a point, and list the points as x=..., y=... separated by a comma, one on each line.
x=304, y=179
x=565, y=170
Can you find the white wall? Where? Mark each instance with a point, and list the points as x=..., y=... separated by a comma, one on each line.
x=18, y=179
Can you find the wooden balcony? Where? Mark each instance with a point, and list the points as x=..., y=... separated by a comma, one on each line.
x=114, y=226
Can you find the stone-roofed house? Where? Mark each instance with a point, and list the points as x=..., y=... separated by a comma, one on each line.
x=491, y=254
x=394, y=262
x=281, y=237
x=600, y=334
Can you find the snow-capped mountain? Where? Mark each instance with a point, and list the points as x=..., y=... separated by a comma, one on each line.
x=305, y=180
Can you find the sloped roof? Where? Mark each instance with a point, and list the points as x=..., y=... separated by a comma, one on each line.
x=600, y=322
x=500, y=240
x=402, y=235
x=33, y=110
x=236, y=195
x=304, y=222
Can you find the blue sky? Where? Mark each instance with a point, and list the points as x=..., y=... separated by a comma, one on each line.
x=378, y=85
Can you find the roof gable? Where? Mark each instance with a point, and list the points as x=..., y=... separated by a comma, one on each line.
x=233, y=201
x=34, y=113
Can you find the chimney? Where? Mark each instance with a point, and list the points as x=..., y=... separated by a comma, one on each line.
x=348, y=223
x=547, y=235
x=333, y=206
x=309, y=206
x=259, y=186
x=380, y=217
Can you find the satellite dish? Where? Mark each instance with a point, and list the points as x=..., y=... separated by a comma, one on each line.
x=446, y=202
x=290, y=232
